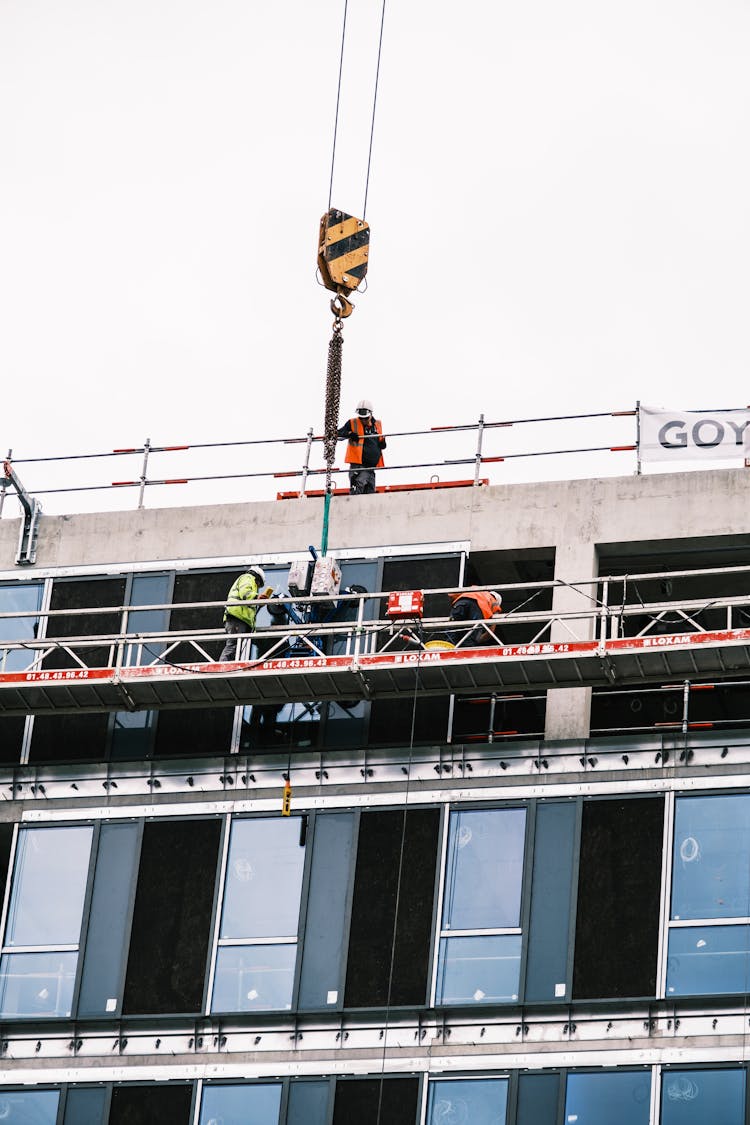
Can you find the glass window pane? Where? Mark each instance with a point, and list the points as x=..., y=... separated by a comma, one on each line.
x=148, y=589
x=308, y=1103
x=708, y=959
x=19, y=598
x=264, y=879
x=49, y=885
x=480, y=1101
x=616, y=1098
x=22, y=1107
x=240, y=1105
x=37, y=984
x=479, y=970
x=694, y=1097
x=251, y=978
x=485, y=865
x=710, y=873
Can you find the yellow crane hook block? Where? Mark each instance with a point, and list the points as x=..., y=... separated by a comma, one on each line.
x=343, y=248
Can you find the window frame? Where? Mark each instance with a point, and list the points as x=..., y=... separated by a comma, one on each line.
x=80, y=947
x=667, y=924
x=440, y=934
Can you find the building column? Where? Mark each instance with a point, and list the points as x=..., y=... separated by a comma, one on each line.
x=569, y=709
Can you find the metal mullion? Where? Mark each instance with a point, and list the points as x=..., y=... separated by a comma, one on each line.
x=443, y=853
x=573, y=901
x=197, y=1099
x=348, y=908
x=225, y=943
x=504, y=931
x=527, y=871
x=284, y=1102
x=218, y=906
x=304, y=898
x=687, y=923
x=86, y=915
x=9, y=882
x=42, y=633
x=424, y=1094
x=655, y=1103
x=666, y=894
x=52, y=947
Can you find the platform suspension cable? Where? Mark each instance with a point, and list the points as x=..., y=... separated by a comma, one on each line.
x=415, y=699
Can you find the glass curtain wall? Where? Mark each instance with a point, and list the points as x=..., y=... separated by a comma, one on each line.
x=43, y=929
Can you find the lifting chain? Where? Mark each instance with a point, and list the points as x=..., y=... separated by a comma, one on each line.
x=333, y=395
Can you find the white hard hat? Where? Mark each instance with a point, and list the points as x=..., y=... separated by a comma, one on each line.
x=364, y=406
x=257, y=572
x=497, y=597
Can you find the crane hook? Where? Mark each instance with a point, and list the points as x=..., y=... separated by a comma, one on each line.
x=341, y=307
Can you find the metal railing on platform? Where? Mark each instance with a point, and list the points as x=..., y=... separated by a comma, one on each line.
x=609, y=641
x=255, y=463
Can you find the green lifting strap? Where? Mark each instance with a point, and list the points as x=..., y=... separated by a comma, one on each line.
x=324, y=537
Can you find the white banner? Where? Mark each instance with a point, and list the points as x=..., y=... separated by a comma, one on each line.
x=693, y=435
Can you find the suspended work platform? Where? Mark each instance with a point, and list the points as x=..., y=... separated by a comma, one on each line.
x=379, y=675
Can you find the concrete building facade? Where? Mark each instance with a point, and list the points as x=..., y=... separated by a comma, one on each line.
x=514, y=884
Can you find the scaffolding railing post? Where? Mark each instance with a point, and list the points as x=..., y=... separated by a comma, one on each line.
x=142, y=489
x=359, y=628
x=478, y=462
x=2, y=490
x=491, y=732
x=306, y=465
x=685, y=705
x=638, y=467
x=604, y=613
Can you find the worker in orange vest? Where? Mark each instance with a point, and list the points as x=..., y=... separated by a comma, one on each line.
x=364, y=453
x=470, y=605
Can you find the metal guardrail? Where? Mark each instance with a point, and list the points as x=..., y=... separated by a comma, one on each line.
x=608, y=641
x=477, y=459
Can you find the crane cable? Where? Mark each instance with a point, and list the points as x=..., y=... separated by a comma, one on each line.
x=339, y=305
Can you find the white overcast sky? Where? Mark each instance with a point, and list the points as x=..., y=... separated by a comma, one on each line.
x=558, y=202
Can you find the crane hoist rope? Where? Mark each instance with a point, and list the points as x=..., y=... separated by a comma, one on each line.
x=343, y=250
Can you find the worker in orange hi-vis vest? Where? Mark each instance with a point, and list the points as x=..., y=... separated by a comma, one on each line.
x=364, y=453
x=470, y=605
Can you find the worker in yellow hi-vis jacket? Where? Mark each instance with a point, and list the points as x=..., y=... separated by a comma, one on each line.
x=239, y=616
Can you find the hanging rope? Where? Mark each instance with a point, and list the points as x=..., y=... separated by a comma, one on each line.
x=338, y=99
x=374, y=105
x=415, y=700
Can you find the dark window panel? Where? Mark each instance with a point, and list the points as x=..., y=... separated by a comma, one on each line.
x=69, y=738
x=106, y=940
x=172, y=918
x=83, y=594
x=424, y=574
x=551, y=892
x=206, y=586
x=617, y=922
x=359, y=1100
x=538, y=1095
x=391, y=720
x=151, y=1105
x=325, y=927
x=11, y=738
x=308, y=1103
x=374, y=908
x=194, y=732
x=85, y=1105
x=6, y=837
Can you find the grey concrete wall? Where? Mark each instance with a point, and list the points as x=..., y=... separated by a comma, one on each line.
x=612, y=510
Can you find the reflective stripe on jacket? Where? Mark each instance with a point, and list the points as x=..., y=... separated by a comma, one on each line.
x=489, y=606
x=355, y=447
x=245, y=589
